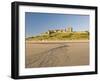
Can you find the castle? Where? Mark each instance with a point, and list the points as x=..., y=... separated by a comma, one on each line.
x=68, y=29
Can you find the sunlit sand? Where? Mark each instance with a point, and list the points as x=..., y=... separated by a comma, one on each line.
x=56, y=54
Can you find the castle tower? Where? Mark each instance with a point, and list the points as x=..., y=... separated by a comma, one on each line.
x=69, y=29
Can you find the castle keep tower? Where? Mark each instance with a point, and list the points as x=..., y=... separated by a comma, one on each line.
x=69, y=29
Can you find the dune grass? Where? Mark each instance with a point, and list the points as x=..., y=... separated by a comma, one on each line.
x=61, y=36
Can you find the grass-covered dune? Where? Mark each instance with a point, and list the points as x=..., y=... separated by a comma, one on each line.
x=61, y=36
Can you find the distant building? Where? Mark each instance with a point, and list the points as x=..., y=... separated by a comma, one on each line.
x=68, y=29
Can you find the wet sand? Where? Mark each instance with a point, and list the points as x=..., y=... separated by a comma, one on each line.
x=53, y=54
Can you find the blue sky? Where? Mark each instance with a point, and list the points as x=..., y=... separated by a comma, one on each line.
x=36, y=23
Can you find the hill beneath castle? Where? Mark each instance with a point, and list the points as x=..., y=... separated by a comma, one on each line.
x=61, y=36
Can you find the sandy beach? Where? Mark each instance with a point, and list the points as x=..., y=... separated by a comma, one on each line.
x=53, y=54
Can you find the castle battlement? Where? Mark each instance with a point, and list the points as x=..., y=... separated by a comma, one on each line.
x=68, y=29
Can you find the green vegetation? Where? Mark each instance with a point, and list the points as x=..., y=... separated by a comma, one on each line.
x=61, y=36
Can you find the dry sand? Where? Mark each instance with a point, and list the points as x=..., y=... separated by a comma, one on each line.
x=53, y=54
